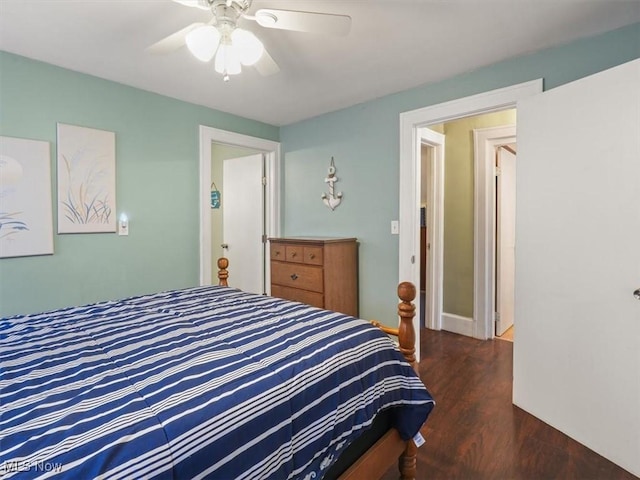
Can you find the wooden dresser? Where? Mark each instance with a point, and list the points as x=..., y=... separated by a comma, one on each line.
x=319, y=271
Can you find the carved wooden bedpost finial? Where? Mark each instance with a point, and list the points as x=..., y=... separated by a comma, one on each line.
x=407, y=339
x=223, y=274
x=406, y=332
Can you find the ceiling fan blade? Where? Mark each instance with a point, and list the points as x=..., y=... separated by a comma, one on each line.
x=174, y=41
x=202, y=4
x=266, y=65
x=304, y=21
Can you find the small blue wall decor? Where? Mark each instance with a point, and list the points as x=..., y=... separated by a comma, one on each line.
x=215, y=196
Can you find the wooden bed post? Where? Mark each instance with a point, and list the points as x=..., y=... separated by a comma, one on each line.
x=223, y=274
x=407, y=340
x=406, y=332
x=390, y=447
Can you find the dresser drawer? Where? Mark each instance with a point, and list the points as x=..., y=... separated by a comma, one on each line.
x=313, y=255
x=277, y=252
x=297, y=295
x=294, y=253
x=294, y=275
x=297, y=254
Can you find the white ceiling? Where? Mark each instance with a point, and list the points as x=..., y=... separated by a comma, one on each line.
x=393, y=45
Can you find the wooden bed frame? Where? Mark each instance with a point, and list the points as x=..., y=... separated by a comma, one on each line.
x=383, y=454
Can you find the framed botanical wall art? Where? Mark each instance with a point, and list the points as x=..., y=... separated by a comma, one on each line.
x=26, y=224
x=86, y=180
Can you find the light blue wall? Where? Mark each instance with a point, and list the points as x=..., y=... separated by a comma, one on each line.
x=364, y=140
x=157, y=186
x=157, y=173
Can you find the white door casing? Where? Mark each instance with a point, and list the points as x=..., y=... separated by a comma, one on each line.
x=577, y=354
x=410, y=123
x=271, y=149
x=505, y=238
x=435, y=209
x=485, y=142
x=243, y=221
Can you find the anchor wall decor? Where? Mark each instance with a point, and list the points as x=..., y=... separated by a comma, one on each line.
x=331, y=200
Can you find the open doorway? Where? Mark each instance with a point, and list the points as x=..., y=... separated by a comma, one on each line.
x=432, y=146
x=477, y=321
x=505, y=240
x=427, y=154
x=470, y=149
x=269, y=152
x=495, y=184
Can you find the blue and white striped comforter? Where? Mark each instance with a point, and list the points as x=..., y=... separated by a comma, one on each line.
x=207, y=382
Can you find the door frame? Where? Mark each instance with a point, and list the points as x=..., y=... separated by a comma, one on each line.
x=435, y=222
x=271, y=149
x=409, y=202
x=485, y=141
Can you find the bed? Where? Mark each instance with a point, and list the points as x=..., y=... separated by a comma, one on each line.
x=206, y=382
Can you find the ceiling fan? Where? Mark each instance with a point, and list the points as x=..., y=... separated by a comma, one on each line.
x=232, y=46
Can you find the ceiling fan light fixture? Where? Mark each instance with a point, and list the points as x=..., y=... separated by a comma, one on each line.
x=203, y=42
x=247, y=45
x=227, y=60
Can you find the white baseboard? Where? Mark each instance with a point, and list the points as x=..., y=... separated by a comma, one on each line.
x=457, y=324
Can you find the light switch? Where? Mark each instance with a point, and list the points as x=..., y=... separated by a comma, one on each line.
x=395, y=227
x=123, y=225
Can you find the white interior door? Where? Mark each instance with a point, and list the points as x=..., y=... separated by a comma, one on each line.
x=243, y=221
x=577, y=351
x=506, y=239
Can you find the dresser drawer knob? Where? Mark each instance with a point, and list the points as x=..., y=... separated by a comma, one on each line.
x=277, y=253
x=312, y=256
x=294, y=277
x=293, y=255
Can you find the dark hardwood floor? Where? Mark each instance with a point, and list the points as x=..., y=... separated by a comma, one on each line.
x=475, y=432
